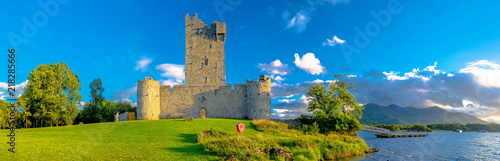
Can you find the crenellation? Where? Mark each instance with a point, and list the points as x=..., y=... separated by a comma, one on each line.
x=205, y=92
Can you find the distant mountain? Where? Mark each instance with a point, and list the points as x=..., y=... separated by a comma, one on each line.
x=394, y=114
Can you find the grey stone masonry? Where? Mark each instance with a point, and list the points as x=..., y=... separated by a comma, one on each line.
x=205, y=92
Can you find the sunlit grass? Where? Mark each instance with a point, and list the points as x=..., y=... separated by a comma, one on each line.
x=303, y=146
x=131, y=140
x=172, y=139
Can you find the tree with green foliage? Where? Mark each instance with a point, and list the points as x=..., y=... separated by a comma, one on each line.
x=99, y=109
x=335, y=109
x=4, y=114
x=92, y=111
x=51, y=95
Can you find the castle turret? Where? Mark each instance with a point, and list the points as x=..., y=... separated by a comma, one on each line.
x=148, y=99
x=259, y=98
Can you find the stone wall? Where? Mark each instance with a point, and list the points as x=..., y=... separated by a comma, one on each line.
x=187, y=101
x=259, y=98
x=205, y=85
x=204, y=61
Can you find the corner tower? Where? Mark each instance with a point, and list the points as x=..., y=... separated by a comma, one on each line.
x=148, y=99
x=205, y=55
x=259, y=98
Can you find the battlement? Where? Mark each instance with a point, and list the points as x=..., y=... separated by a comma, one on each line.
x=216, y=32
x=205, y=93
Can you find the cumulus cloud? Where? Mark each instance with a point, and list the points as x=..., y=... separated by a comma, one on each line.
x=278, y=79
x=4, y=93
x=309, y=63
x=470, y=91
x=276, y=71
x=334, y=41
x=275, y=68
x=173, y=74
x=143, y=63
x=290, y=108
x=485, y=72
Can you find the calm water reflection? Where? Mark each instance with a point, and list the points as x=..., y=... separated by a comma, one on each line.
x=437, y=146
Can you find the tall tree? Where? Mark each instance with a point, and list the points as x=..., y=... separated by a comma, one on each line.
x=95, y=111
x=96, y=91
x=334, y=109
x=51, y=95
x=336, y=99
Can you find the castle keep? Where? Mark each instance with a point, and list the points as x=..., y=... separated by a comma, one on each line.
x=205, y=92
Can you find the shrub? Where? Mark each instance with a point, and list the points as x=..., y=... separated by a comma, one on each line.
x=302, y=146
x=189, y=119
x=305, y=128
x=315, y=128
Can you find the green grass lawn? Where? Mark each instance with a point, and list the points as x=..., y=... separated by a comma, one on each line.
x=170, y=139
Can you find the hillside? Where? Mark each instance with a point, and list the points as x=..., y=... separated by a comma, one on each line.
x=170, y=139
x=394, y=114
x=174, y=139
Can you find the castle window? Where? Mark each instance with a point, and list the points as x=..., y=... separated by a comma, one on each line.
x=206, y=61
x=210, y=46
x=216, y=65
x=206, y=79
x=201, y=66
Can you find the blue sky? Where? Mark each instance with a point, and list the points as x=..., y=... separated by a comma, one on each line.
x=409, y=53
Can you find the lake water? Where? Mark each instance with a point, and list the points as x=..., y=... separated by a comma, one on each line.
x=436, y=146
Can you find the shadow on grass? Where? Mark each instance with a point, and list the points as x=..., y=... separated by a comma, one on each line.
x=188, y=150
x=255, y=128
x=192, y=149
x=189, y=138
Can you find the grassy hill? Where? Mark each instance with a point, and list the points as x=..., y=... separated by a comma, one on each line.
x=130, y=140
x=169, y=139
x=393, y=114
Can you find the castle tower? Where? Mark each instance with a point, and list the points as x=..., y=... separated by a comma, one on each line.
x=205, y=52
x=259, y=98
x=148, y=99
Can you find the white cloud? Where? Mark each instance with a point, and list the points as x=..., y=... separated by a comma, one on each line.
x=334, y=41
x=128, y=100
x=309, y=63
x=432, y=68
x=275, y=68
x=495, y=119
x=298, y=22
x=143, y=63
x=278, y=79
x=485, y=72
x=286, y=100
x=318, y=81
x=471, y=91
x=173, y=73
x=290, y=108
x=393, y=76
x=4, y=93
x=124, y=95
x=303, y=14
x=425, y=75
x=81, y=105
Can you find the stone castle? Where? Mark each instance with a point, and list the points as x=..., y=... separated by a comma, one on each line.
x=205, y=93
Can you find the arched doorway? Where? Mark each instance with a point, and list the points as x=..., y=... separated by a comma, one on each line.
x=203, y=113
